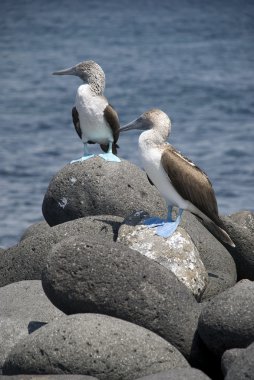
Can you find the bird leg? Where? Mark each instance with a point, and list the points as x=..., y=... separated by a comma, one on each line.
x=109, y=156
x=164, y=228
x=169, y=217
x=155, y=222
x=168, y=227
x=86, y=155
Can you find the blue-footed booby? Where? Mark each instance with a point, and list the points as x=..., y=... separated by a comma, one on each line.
x=178, y=179
x=94, y=119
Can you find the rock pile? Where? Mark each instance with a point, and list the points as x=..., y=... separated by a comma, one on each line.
x=91, y=293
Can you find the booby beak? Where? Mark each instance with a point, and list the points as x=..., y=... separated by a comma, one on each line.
x=139, y=123
x=70, y=71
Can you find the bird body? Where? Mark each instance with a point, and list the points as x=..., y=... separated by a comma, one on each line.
x=94, y=119
x=93, y=124
x=178, y=179
x=150, y=155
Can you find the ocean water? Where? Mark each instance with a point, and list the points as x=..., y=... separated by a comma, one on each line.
x=194, y=59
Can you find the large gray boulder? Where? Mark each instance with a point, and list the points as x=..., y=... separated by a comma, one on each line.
x=227, y=320
x=243, y=253
x=24, y=308
x=242, y=368
x=106, y=226
x=216, y=258
x=177, y=374
x=244, y=219
x=110, y=278
x=97, y=187
x=48, y=377
x=26, y=260
x=93, y=344
x=229, y=357
x=176, y=253
x=35, y=229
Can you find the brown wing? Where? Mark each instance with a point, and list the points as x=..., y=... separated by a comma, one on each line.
x=190, y=182
x=75, y=119
x=111, y=117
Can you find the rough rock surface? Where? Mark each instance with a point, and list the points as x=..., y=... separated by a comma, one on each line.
x=243, y=253
x=26, y=260
x=113, y=279
x=243, y=366
x=177, y=374
x=244, y=219
x=35, y=229
x=177, y=253
x=229, y=357
x=227, y=320
x=97, y=187
x=217, y=260
x=93, y=344
x=24, y=308
x=104, y=225
x=48, y=377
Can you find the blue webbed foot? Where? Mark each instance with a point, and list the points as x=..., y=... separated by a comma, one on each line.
x=153, y=222
x=110, y=157
x=83, y=158
x=167, y=229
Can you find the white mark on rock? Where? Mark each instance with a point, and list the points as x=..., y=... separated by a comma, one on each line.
x=63, y=202
x=73, y=180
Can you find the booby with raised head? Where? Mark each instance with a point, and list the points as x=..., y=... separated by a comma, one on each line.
x=178, y=179
x=94, y=119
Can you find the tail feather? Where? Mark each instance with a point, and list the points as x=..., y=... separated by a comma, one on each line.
x=215, y=226
x=219, y=232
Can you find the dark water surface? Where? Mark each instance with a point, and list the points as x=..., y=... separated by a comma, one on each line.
x=192, y=59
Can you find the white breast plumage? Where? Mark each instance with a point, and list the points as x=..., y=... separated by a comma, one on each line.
x=90, y=108
x=151, y=160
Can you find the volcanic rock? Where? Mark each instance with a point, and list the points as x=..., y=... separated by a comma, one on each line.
x=109, y=278
x=227, y=320
x=99, y=187
x=93, y=344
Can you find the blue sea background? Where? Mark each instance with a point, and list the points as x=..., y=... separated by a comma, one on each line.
x=193, y=59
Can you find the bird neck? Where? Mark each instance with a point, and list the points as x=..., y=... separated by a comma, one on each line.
x=97, y=84
x=152, y=138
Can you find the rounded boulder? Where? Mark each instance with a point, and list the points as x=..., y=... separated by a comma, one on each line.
x=244, y=218
x=96, y=345
x=35, y=229
x=243, y=252
x=227, y=320
x=218, y=262
x=24, y=308
x=97, y=187
x=242, y=367
x=112, y=279
x=176, y=253
x=26, y=260
x=177, y=374
x=48, y=377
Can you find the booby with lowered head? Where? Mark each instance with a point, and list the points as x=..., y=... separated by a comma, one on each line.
x=94, y=119
x=178, y=179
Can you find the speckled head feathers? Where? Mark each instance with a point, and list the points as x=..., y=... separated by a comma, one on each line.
x=90, y=72
x=153, y=119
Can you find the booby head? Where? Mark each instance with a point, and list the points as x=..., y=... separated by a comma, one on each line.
x=90, y=72
x=153, y=119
